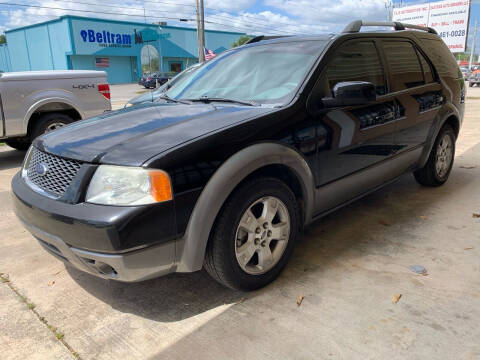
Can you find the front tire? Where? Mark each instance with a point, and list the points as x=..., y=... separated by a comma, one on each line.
x=439, y=165
x=254, y=236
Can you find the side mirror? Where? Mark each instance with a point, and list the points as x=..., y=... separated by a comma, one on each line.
x=351, y=93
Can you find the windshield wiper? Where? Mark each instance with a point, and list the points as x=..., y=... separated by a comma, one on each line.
x=168, y=98
x=208, y=99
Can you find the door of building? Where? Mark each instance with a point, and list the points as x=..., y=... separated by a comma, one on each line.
x=133, y=61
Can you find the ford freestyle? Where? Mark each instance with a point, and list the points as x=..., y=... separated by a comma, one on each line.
x=248, y=149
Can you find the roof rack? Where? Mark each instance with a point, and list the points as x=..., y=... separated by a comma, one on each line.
x=264, y=37
x=356, y=25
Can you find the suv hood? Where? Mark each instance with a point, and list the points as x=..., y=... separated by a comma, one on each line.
x=133, y=135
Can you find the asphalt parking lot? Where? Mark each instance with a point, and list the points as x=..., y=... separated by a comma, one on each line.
x=348, y=268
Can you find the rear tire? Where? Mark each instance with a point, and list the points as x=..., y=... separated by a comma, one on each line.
x=21, y=144
x=470, y=84
x=439, y=165
x=254, y=235
x=49, y=122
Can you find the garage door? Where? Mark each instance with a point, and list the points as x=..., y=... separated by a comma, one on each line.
x=118, y=68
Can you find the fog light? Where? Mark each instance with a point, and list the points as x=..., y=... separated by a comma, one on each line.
x=105, y=269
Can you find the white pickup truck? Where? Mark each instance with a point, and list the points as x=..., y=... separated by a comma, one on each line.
x=35, y=102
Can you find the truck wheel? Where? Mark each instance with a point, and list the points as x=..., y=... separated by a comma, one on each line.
x=19, y=144
x=254, y=236
x=49, y=122
x=470, y=84
x=440, y=162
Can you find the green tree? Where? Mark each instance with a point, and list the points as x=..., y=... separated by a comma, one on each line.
x=241, y=40
x=3, y=39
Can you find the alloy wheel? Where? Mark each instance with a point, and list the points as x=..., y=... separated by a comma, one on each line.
x=262, y=235
x=444, y=155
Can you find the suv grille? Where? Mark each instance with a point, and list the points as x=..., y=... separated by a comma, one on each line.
x=58, y=175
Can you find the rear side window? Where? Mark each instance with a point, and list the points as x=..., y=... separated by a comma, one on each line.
x=356, y=61
x=441, y=57
x=403, y=64
x=427, y=69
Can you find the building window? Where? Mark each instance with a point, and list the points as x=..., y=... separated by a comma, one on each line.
x=149, y=58
x=175, y=67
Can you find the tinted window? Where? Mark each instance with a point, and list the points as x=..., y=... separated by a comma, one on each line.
x=427, y=69
x=442, y=58
x=404, y=65
x=356, y=61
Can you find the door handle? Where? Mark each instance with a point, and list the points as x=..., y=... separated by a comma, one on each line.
x=384, y=117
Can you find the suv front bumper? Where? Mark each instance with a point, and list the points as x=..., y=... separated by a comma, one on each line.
x=58, y=225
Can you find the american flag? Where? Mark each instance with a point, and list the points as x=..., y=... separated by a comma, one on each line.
x=102, y=62
x=208, y=54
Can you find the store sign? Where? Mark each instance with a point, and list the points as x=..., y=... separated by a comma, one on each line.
x=146, y=35
x=106, y=38
x=448, y=18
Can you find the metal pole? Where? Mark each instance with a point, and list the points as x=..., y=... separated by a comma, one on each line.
x=200, y=30
x=148, y=48
x=202, y=22
x=389, y=8
x=472, y=53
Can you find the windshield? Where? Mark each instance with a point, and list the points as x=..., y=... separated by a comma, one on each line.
x=267, y=73
x=174, y=80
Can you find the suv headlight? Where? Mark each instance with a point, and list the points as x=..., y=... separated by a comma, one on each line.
x=123, y=185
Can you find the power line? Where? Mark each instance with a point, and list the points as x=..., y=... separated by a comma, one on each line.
x=109, y=5
x=260, y=27
x=239, y=27
x=88, y=11
x=234, y=16
x=248, y=28
x=143, y=9
x=218, y=11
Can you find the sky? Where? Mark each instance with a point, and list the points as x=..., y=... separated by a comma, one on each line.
x=249, y=16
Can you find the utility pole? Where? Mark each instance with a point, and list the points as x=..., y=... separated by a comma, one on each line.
x=389, y=8
x=472, y=53
x=200, y=30
x=148, y=47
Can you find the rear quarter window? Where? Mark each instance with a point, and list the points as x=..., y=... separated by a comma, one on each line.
x=441, y=57
x=427, y=69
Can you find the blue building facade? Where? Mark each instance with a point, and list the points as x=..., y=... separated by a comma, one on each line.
x=124, y=50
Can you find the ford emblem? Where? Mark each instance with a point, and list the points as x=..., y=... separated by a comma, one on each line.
x=41, y=169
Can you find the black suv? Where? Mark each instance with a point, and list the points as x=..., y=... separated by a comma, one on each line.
x=248, y=149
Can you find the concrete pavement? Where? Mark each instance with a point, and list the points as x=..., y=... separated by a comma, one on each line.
x=348, y=267
x=120, y=94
